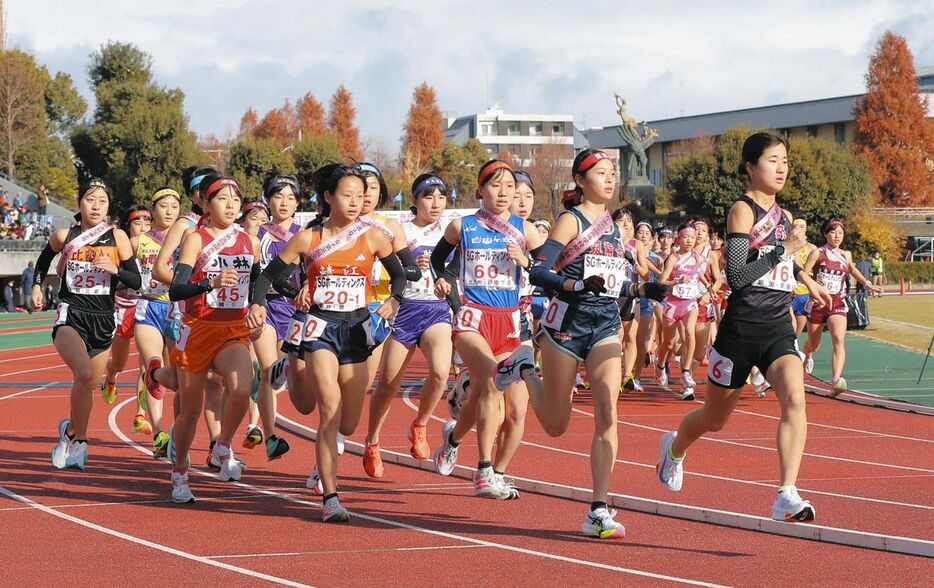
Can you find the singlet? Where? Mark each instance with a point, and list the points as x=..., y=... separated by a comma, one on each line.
x=693, y=265
x=340, y=282
x=379, y=277
x=767, y=299
x=422, y=240
x=269, y=248
x=801, y=258
x=223, y=304
x=488, y=275
x=656, y=259
x=606, y=258
x=831, y=269
x=83, y=286
x=147, y=250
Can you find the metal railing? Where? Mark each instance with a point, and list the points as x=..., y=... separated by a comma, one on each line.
x=903, y=211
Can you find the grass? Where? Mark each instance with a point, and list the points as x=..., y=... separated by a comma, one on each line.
x=915, y=316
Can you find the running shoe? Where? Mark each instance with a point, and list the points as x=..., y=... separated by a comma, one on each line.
x=808, y=363
x=629, y=383
x=839, y=387
x=578, y=380
x=141, y=393
x=601, y=523
x=108, y=391
x=160, y=445
x=254, y=436
x=141, y=425
x=77, y=455
x=670, y=471
x=637, y=384
x=372, y=460
x=687, y=392
x=60, y=452
x=340, y=443
x=419, y=438
x=509, y=371
x=446, y=456
x=333, y=512
x=276, y=447
x=487, y=484
x=215, y=464
x=688, y=379
x=181, y=493
x=254, y=387
x=647, y=361
x=170, y=446
x=661, y=375
x=457, y=396
x=229, y=466
x=510, y=486
x=278, y=373
x=154, y=387
x=790, y=507
x=761, y=388
x=314, y=484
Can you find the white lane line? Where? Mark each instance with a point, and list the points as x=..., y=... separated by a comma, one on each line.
x=112, y=420
x=408, y=401
x=850, y=537
x=147, y=543
x=51, y=384
x=869, y=399
x=894, y=322
x=30, y=356
x=128, y=502
x=344, y=551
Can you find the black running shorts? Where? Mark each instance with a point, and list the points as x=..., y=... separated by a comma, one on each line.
x=741, y=345
x=96, y=329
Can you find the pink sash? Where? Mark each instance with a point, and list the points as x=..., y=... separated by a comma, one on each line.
x=584, y=241
x=500, y=226
x=432, y=227
x=833, y=255
x=192, y=217
x=157, y=236
x=346, y=236
x=214, y=247
x=369, y=222
x=88, y=236
x=765, y=226
x=278, y=232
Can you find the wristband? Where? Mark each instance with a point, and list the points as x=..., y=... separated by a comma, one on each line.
x=205, y=285
x=578, y=286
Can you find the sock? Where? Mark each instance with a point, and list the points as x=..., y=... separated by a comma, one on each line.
x=85, y=441
x=417, y=426
x=451, y=441
x=496, y=471
x=672, y=455
x=223, y=448
x=595, y=505
x=783, y=488
x=329, y=497
x=71, y=436
x=180, y=471
x=271, y=438
x=484, y=465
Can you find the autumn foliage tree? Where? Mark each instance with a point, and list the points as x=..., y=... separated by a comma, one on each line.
x=248, y=123
x=341, y=122
x=422, y=132
x=551, y=173
x=309, y=116
x=278, y=125
x=892, y=130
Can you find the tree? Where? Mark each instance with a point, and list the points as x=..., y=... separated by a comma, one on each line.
x=341, y=122
x=22, y=109
x=278, y=125
x=458, y=166
x=64, y=106
x=504, y=155
x=892, y=130
x=551, y=173
x=249, y=159
x=314, y=151
x=309, y=114
x=120, y=63
x=422, y=132
x=248, y=123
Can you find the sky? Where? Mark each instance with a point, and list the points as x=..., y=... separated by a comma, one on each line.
x=667, y=58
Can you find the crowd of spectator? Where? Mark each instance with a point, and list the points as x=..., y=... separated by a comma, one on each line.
x=21, y=222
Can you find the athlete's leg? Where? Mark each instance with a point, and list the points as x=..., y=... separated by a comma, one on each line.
x=719, y=403
x=836, y=324
x=603, y=365
x=322, y=366
x=551, y=395
x=483, y=400
x=119, y=352
x=190, y=397
x=787, y=379
x=516, y=405
x=436, y=344
x=395, y=358
x=150, y=344
x=234, y=364
x=630, y=343
x=213, y=403
x=687, y=347
x=265, y=348
x=85, y=370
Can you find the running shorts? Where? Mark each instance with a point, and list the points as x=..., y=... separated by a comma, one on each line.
x=741, y=345
x=96, y=329
x=577, y=328
x=350, y=339
x=499, y=326
x=417, y=316
x=200, y=341
x=153, y=313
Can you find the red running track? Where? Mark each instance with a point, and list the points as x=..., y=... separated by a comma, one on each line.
x=867, y=469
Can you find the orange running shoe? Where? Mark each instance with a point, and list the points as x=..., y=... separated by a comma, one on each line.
x=419, y=439
x=108, y=391
x=141, y=425
x=372, y=461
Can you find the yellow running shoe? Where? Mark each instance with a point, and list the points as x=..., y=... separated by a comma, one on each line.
x=109, y=391
x=141, y=425
x=141, y=393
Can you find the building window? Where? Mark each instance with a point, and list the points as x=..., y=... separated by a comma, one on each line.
x=811, y=130
x=512, y=129
x=839, y=132
x=535, y=129
x=487, y=129
x=493, y=149
x=557, y=128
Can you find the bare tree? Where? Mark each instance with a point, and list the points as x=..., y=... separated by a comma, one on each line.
x=21, y=106
x=551, y=172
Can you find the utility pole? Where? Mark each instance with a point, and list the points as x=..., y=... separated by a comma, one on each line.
x=2, y=28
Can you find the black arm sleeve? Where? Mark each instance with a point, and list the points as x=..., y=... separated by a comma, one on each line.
x=181, y=289
x=541, y=274
x=413, y=273
x=453, y=269
x=740, y=274
x=397, y=279
x=439, y=256
x=128, y=273
x=43, y=264
x=276, y=270
x=796, y=269
x=283, y=284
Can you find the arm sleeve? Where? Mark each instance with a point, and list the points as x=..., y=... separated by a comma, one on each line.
x=438, y=257
x=740, y=274
x=397, y=279
x=181, y=289
x=541, y=273
x=42, y=264
x=413, y=273
x=128, y=273
x=275, y=271
x=283, y=284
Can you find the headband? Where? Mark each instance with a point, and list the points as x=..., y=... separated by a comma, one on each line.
x=96, y=184
x=487, y=172
x=590, y=161
x=138, y=214
x=163, y=193
x=574, y=196
x=665, y=231
x=686, y=230
x=370, y=168
x=195, y=181
x=217, y=185
x=800, y=221
x=644, y=224
x=701, y=221
x=279, y=183
x=251, y=206
x=524, y=178
x=833, y=224
x=430, y=181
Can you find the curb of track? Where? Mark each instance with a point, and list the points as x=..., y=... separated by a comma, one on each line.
x=834, y=535
x=870, y=400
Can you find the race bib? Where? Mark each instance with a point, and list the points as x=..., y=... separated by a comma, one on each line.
x=687, y=291
x=151, y=286
x=340, y=293
x=313, y=327
x=82, y=277
x=468, y=319
x=833, y=282
x=422, y=289
x=553, y=317
x=613, y=270
x=491, y=269
x=780, y=278
x=235, y=296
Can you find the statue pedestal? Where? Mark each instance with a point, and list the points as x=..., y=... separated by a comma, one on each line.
x=640, y=190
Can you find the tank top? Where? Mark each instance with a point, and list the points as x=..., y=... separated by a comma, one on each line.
x=147, y=250
x=801, y=258
x=693, y=265
x=830, y=270
x=223, y=304
x=269, y=248
x=488, y=275
x=340, y=281
x=422, y=240
x=83, y=286
x=379, y=278
x=606, y=257
x=767, y=299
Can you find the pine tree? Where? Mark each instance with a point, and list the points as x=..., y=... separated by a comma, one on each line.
x=341, y=123
x=309, y=114
x=892, y=130
x=422, y=132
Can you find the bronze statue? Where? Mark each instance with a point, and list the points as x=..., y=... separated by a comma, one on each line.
x=637, y=137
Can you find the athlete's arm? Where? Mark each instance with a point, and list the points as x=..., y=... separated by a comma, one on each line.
x=666, y=271
x=739, y=273
x=858, y=275
x=439, y=256
x=813, y=256
x=714, y=261
x=181, y=287
x=160, y=270
x=128, y=272
x=43, y=263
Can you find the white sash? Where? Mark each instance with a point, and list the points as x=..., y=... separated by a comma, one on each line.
x=369, y=222
x=346, y=236
x=426, y=230
x=835, y=255
x=194, y=218
x=278, y=232
x=88, y=236
x=584, y=241
x=496, y=223
x=765, y=226
x=214, y=247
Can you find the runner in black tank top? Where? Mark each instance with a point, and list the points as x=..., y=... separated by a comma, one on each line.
x=756, y=330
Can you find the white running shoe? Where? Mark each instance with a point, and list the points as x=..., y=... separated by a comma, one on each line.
x=636, y=385
x=661, y=375
x=670, y=471
x=790, y=507
x=688, y=379
x=509, y=371
x=314, y=482
x=839, y=387
x=457, y=395
x=578, y=380
x=214, y=461
x=181, y=493
x=808, y=363
x=687, y=392
x=230, y=467
x=761, y=387
x=279, y=373
x=77, y=456
x=513, y=492
x=445, y=457
x=487, y=484
x=340, y=443
x=333, y=512
x=756, y=378
x=61, y=449
x=600, y=523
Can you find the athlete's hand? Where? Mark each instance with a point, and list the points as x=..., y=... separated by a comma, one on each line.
x=875, y=289
x=442, y=288
x=103, y=262
x=303, y=300
x=628, y=255
x=655, y=291
x=36, y=298
x=819, y=294
x=593, y=284
x=797, y=240
x=517, y=254
x=423, y=261
x=388, y=309
x=228, y=278
x=256, y=318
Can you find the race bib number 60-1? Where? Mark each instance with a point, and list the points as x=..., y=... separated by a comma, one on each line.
x=492, y=269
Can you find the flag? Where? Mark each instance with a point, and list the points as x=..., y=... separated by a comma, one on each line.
x=398, y=197
x=454, y=195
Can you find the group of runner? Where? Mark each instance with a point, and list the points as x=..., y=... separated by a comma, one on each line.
x=235, y=301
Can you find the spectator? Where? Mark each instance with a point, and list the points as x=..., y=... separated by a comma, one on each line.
x=8, y=303
x=3, y=196
x=878, y=271
x=28, y=276
x=18, y=201
x=43, y=198
x=50, y=301
x=865, y=267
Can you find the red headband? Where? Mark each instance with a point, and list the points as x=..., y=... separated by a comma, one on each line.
x=834, y=224
x=137, y=214
x=574, y=196
x=217, y=185
x=487, y=172
x=591, y=160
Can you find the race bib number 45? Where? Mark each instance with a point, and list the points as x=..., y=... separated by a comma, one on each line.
x=492, y=269
x=340, y=293
x=235, y=296
x=82, y=277
x=780, y=278
x=613, y=270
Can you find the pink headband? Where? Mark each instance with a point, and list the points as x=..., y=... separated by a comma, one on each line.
x=686, y=230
